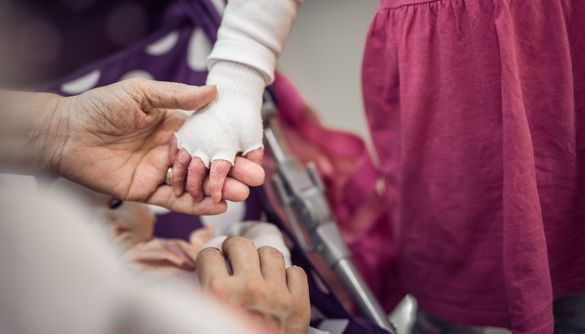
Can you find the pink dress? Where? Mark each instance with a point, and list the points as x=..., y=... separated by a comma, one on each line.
x=477, y=112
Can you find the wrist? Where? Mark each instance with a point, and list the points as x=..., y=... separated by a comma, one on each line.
x=50, y=132
x=238, y=85
x=28, y=140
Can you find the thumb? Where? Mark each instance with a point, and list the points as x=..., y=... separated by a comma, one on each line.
x=174, y=95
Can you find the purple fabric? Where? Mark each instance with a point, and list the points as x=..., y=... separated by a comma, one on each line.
x=53, y=38
x=174, y=225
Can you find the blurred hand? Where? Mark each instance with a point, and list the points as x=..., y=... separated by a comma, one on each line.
x=258, y=282
x=115, y=139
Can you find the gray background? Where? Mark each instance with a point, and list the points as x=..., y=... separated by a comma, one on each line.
x=324, y=54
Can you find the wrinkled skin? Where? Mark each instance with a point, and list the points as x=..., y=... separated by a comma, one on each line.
x=258, y=282
x=115, y=140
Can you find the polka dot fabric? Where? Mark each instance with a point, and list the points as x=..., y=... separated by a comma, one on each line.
x=49, y=39
x=177, y=53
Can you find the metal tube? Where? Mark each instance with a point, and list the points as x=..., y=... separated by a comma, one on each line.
x=362, y=294
x=278, y=151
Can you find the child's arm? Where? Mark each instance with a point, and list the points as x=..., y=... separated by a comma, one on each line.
x=242, y=63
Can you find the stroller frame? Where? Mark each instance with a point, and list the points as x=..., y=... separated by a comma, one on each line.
x=301, y=194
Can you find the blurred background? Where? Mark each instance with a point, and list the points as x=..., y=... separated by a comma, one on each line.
x=43, y=40
x=324, y=55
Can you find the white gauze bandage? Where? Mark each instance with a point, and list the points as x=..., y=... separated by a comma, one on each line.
x=232, y=123
x=250, y=38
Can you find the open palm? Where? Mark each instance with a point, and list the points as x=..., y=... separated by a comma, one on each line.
x=118, y=137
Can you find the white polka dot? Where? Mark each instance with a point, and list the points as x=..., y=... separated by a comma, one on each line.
x=163, y=45
x=82, y=83
x=199, y=50
x=219, y=5
x=235, y=213
x=137, y=74
x=159, y=210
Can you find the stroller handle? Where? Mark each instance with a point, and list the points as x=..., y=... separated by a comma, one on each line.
x=301, y=192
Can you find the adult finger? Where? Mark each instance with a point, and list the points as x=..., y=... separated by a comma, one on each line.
x=173, y=150
x=195, y=175
x=233, y=190
x=173, y=95
x=300, y=305
x=210, y=265
x=180, y=170
x=272, y=264
x=217, y=174
x=242, y=255
x=256, y=156
x=248, y=172
x=165, y=197
x=296, y=280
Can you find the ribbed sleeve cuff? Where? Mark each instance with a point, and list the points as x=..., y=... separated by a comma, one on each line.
x=239, y=86
x=246, y=53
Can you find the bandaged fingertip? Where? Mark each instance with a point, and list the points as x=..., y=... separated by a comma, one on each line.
x=231, y=124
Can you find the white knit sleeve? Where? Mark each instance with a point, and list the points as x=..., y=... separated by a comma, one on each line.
x=242, y=63
x=253, y=33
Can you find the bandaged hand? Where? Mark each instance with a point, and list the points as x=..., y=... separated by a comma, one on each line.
x=212, y=137
x=258, y=282
x=114, y=140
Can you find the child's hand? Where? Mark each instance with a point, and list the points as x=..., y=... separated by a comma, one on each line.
x=212, y=137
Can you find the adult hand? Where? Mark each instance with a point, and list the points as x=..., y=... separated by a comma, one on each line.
x=209, y=140
x=258, y=282
x=115, y=139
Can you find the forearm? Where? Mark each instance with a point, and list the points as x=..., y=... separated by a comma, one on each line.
x=31, y=132
x=253, y=33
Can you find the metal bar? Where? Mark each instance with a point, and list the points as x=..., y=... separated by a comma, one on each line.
x=362, y=294
x=301, y=193
x=278, y=151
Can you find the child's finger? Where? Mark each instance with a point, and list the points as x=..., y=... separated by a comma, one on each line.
x=195, y=175
x=183, y=158
x=217, y=175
